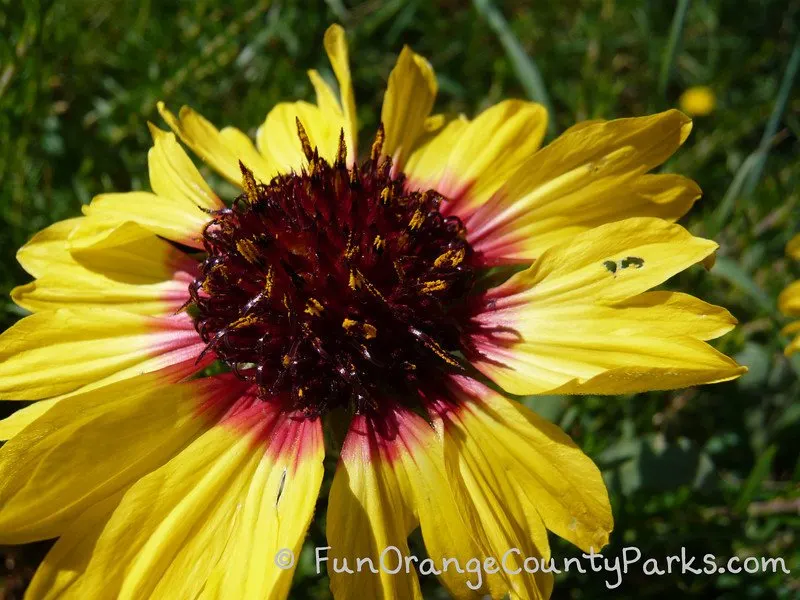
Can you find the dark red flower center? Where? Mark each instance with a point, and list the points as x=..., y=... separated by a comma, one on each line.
x=335, y=286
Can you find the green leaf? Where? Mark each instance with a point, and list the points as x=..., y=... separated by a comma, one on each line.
x=673, y=45
x=651, y=463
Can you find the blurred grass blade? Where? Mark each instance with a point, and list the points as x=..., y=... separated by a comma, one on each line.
x=725, y=208
x=774, y=120
x=753, y=483
x=749, y=173
x=524, y=66
x=673, y=44
x=730, y=271
x=339, y=9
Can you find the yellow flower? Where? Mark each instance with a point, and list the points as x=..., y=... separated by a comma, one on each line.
x=698, y=101
x=789, y=300
x=339, y=291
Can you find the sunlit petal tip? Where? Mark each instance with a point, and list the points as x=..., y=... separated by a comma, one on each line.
x=686, y=125
x=171, y=120
x=173, y=175
x=47, y=248
x=335, y=42
x=436, y=122
x=407, y=104
x=333, y=34
x=671, y=120
x=221, y=150
x=155, y=131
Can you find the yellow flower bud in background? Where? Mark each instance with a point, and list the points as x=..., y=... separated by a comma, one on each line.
x=698, y=101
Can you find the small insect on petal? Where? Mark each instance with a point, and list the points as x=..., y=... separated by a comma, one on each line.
x=610, y=265
x=634, y=261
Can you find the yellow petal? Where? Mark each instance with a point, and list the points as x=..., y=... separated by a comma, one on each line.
x=789, y=300
x=223, y=507
x=278, y=136
x=559, y=480
x=126, y=252
x=497, y=496
x=474, y=160
x=591, y=175
x=82, y=288
x=416, y=452
x=327, y=101
x=792, y=347
x=793, y=247
x=164, y=344
x=91, y=263
x=669, y=313
x=406, y=105
x=176, y=221
x=577, y=363
x=578, y=271
x=574, y=321
x=173, y=174
x=789, y=304
x=276, y=511
x=60, y=571
x=427, y=164
x=336, y=46
x=47, y=249
x=222, y=150
x=91, y=445
x=369, y=510
x=22, y=417
x=391, y=468
x=665, y=196
x=174, y=354
x=54, y=352
x=793, y=327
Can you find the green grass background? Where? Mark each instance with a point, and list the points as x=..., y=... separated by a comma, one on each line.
x=712, y=469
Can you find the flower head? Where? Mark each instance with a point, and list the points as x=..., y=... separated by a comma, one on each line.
x=339, y=290
x=789, y=300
